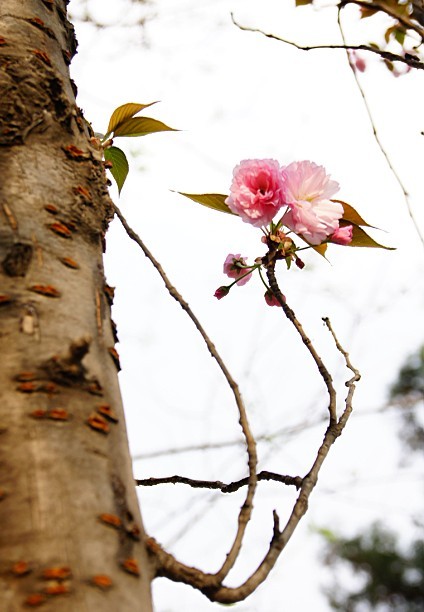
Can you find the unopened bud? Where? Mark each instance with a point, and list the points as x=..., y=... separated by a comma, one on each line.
x=221, y=292
x=360, y=64
x=271, y=299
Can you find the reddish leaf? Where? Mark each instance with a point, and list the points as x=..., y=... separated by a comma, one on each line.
x=321, y=249
x=351, y=215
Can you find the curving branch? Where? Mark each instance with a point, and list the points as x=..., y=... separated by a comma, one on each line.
x=167, y=565
x=410, y=60
x=245, y=512
x=269, y=262
x=221, y=486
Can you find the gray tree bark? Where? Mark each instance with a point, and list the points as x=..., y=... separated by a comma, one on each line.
x=71, y=536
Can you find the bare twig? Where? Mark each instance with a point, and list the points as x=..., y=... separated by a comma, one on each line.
x=247, y=507
x=326, y=376
x=377, y=137
x=221, y=486
x=206, y=446
x=384, y=7
x=303, y=426
x=350, y=384
x=190, y=448
x=341, y=350
x=410, y=60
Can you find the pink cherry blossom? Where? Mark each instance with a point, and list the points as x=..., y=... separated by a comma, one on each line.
x=233, y=267
x=271, y=300
x=342, y=235
x=256, y=193
x=307, y=191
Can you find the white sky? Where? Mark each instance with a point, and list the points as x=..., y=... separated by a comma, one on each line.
x=237, y=95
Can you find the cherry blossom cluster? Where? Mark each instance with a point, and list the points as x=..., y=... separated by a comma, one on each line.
x=299, y=196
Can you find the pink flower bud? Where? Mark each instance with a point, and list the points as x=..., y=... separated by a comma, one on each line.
x=342, y=235
x=360, y=64
x=357, y=62
x=221, y=292
x=299, y=263
x=271, y=300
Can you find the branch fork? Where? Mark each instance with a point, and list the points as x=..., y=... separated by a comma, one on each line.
x=212, y=584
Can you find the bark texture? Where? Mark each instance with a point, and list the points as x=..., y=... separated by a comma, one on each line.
x=71, y=536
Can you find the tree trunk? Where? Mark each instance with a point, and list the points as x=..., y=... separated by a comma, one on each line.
x=71, y=536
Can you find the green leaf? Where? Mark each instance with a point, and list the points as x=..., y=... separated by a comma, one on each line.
x=400, y=35
x=361, y=239
x=303, y=2
x=351, y=215
x=124, y=112
x=211, y=200
x=120, y=166
x=141, y=126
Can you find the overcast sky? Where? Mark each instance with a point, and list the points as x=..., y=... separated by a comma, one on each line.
x=237, y=95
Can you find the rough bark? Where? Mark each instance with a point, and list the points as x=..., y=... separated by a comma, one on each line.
x=71, y=536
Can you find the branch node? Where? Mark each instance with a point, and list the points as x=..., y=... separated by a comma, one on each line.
x=276, y=528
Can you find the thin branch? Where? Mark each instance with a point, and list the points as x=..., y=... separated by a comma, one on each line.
x=247, y=507
x=221, y=486
x=190, y=448
x=280, y=538
x=269, y=437
x=377, y=138
x=326, y=376
x=341, y=350
x=386, y=8
x=410, y=60
x=266, y=437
